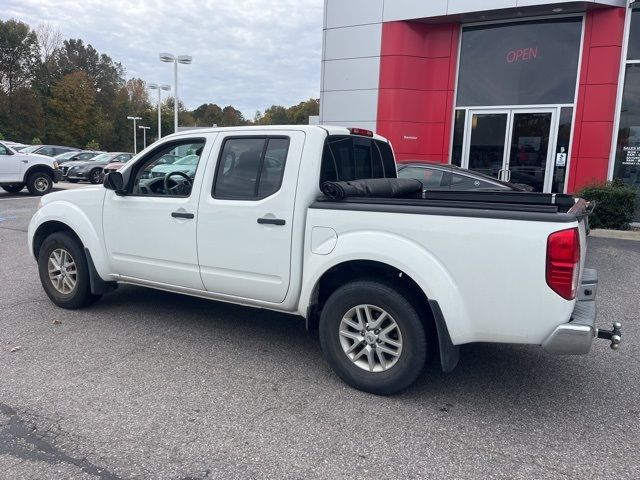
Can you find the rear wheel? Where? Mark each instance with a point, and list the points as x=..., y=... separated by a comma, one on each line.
x=373, y=337
x=64, y=273
x=39, y=183
x=13, y=188
x=95, y=176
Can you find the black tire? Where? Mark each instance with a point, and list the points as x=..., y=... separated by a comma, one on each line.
x=81, y=295
x=95, y=176
x=415, y=349
x=73, y=180
x=39, y=183
x=13, y=188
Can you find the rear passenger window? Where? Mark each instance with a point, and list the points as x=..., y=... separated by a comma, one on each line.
x=250, y=168
x=347, y=158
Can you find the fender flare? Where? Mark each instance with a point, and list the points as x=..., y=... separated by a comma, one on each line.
x=38, y=167
x=401, y=253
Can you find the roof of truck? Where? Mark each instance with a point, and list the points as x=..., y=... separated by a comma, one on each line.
x=330, y=129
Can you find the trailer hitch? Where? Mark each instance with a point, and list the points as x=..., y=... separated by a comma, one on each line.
x=614, y=335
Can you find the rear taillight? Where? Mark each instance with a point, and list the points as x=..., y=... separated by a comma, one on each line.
x=563, y=262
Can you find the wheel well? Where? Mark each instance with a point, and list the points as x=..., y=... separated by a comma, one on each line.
x=49, y=228
x=38, y=168
x=367, y=269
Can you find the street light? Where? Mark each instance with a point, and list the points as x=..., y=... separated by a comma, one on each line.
x=155, y=86
x=135, y=143
x=144, y=135
x=171, y=58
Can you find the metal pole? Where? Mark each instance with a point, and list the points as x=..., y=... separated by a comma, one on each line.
x=159, y=114
x=144, y=138
x=175, y=102
x=135, y=144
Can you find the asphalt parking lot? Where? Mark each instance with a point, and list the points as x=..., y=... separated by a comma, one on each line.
x=151, y=385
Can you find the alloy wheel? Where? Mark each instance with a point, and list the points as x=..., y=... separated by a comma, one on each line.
x=62, y=271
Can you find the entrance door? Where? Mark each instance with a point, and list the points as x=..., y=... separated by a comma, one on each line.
x=512, y=145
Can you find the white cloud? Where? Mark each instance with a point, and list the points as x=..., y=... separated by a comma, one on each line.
x=246, y=53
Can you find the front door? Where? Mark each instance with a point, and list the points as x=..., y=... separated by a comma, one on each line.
x=512, y=145
x=150, y=233
x=9, y=165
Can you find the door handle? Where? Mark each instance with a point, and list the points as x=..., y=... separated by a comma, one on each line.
x=25, y=161
x=271, y=221
x=182, y=215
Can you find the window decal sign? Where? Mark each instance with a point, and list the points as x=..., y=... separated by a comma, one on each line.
x=522, y=55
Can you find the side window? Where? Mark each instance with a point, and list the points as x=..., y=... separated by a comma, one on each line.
x=430, y=178
x=46, y=151
x=250, y=168
x=462, y=182
x=347, y=158
x=123, y=157
x=153, y=177
x=3, y=150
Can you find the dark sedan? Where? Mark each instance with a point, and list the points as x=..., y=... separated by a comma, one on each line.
x=82, y=156
x=92, y=170
x=438, y=176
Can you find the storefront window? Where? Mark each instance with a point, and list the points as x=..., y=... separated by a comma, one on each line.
x=561, y=159
x=524, y=63
x=627, y=159
x=458, y=138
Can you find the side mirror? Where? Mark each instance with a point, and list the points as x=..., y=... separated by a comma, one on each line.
x=114, y=181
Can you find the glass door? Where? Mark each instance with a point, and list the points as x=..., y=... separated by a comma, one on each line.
x=528, y=158
x=512, y=145
x=486, y=145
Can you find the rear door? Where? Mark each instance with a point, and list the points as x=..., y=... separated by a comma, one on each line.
x=9, y=165
x=245, y=217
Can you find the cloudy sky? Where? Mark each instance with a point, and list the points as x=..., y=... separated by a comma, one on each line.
x=246, y=53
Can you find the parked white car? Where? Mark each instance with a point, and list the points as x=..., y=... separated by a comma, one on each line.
x=390, y=280
x=17, y=170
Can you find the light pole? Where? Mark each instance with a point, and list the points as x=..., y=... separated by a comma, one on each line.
x=135, y=143
x=144, y=136
x=155, y=86
x=171, y=58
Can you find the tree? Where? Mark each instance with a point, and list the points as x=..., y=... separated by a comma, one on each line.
x=19, y=57
x=36, y=141
x=71, y=104
x=231, y=117
x=49, y=40
x=138, y=95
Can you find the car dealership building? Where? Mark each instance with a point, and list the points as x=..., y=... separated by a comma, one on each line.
x=532, y=91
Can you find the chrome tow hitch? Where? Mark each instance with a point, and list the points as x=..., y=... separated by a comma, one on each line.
x=614, y=335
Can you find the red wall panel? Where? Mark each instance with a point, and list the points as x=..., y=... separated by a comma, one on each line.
x=595, y=109
x=417, y=82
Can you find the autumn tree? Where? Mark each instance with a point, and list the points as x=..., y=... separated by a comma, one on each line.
x=71, y=104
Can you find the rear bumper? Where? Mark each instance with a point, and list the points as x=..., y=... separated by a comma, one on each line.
x=576, y=336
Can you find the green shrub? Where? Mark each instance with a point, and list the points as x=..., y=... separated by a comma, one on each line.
x=615, y=204
x=93, y=145
x=1, y=136
x=36, y=141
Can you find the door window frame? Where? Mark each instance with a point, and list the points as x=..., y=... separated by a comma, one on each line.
x=511, y=112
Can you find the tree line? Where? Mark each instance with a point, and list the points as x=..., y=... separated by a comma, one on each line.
x=58, y=91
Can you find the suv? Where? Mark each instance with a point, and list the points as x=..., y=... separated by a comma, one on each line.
x=49, y=150
x=17, y=170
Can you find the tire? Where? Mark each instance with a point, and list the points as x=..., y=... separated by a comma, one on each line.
x=95, y=176
x=73, y=180
x=13, y=188
x=73, y=298
x=39, y=183
x=401, y=369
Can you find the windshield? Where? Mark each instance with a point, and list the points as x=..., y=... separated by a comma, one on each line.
x=103, y=157
x=30, y=149
x=188, y=160
x=65, y=156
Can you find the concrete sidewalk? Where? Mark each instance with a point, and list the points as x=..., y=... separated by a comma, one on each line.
x=619, y=234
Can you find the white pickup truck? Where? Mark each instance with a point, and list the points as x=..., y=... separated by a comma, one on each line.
x=17, y=170
x=389, y=281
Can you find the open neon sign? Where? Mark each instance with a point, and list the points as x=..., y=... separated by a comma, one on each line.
x=522, y=55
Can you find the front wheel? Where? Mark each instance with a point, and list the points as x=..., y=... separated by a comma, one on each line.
x=64, y=273
x=95, y=176
x=13, y=188
x=373, y=337
x=39, y=183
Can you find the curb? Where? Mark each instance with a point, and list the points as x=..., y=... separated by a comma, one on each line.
x=618, y=234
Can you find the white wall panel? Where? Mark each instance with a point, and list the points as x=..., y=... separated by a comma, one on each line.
x=407, y=9
x=350, y=106
x=352, y=74
x=353, y=42
x=465, y=6
x=347, y=13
